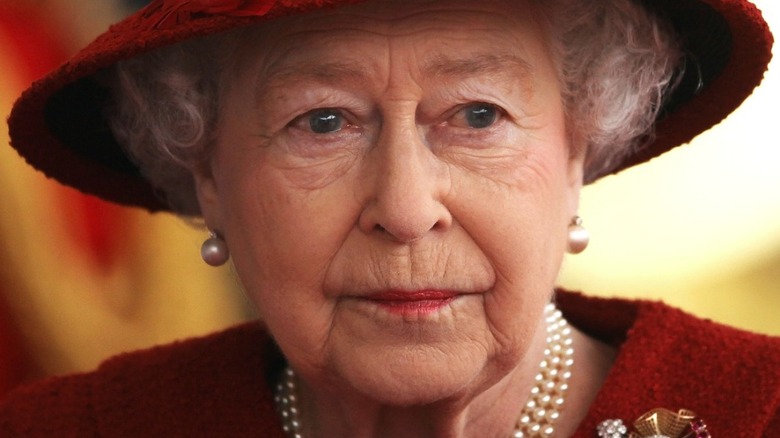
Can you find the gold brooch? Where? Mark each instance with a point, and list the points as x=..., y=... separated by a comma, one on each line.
x=658, y=423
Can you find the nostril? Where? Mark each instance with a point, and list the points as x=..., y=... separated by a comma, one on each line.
x=439, y=225
x=404, y=226
x=398, y=234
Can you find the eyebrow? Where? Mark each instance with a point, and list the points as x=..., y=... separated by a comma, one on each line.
x=478, y=64
x=339, y=72
x=346, y=72
x=501, y=66
x=329, y=71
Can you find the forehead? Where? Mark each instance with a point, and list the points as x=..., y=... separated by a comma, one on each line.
x=455, y=37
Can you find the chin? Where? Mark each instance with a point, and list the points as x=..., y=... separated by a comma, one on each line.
x=414, y=376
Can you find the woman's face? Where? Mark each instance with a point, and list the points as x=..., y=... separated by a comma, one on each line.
x=394, y=183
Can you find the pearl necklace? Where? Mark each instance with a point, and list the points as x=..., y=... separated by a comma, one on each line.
x=537, y=417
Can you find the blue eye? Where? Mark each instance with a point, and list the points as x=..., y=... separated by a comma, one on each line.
x=325, y=121
x=480, y=115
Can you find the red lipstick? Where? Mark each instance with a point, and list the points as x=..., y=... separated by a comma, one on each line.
x=413, y=302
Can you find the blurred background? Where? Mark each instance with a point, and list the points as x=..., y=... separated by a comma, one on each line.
x=698, y=227
x=81, y=280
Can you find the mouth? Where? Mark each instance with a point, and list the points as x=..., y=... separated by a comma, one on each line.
x=418, y=302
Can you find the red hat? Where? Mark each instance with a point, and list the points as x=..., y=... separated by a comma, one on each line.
x=58, y=127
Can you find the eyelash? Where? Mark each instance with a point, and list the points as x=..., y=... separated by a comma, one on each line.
x=305, y=122
x=302, y=140
x=498, y=114
x=455, y=129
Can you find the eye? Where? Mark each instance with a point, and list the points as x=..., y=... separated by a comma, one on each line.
x=476, y=116
x=323, y=121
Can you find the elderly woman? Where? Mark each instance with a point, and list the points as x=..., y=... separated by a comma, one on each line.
x=397, y=182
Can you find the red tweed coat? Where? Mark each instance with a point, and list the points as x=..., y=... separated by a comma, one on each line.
x=217, y=386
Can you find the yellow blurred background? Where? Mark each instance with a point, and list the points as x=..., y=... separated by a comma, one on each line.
x=81, y=279
x=698, y=227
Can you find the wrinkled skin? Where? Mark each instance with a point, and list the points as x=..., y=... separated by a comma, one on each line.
x=401, y=147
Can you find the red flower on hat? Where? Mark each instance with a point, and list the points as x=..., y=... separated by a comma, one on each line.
x=164, y=14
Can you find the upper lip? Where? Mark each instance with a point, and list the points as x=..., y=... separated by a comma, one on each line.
x=412, y=295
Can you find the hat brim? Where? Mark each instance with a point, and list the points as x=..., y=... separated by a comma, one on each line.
x=57, y=125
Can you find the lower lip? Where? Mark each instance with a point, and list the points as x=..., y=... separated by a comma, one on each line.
x=417, y=303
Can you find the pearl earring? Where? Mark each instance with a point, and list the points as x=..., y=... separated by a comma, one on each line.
x=578, y=236
x=214, y=250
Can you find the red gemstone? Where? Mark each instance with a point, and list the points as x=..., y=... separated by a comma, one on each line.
x=699, y=427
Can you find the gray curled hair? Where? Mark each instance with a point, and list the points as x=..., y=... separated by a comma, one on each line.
x=166, y=113
x=616, y=63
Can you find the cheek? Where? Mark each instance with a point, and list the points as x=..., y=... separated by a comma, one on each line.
x=518, y=218
x=524, y=201
x=282, y=242
x=282, y=236
x=522, y=233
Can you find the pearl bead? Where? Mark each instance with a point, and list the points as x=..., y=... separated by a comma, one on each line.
x=579, y=237
x=214, y=251
x=578, y=240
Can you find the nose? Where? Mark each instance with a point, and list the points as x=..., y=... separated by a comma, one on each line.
x=406, y=185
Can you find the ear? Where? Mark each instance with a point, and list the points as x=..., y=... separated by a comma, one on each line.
x=208, y=196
